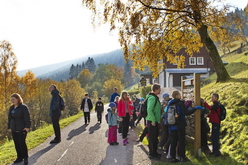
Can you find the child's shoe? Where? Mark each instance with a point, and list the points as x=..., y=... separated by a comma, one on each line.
x=116, y=143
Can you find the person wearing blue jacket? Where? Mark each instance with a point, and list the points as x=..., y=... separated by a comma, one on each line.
x=112, y=122
x=113, y=95
x=177, y=131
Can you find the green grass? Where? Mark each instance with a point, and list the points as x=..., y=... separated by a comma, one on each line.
x=34, y=138
x=234, y=95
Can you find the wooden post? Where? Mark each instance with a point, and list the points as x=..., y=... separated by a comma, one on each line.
x=197, y=102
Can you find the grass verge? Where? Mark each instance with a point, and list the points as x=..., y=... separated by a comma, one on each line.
x=204, y=160
x=34, y=138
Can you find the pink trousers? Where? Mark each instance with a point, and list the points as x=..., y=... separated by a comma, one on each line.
x=112, y=134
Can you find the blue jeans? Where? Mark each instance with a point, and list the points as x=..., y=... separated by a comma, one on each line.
x=216, y=137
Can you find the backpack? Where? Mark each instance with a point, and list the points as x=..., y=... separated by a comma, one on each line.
x=61, y=103
x=106, y=117
x=144, y=112
x=170, y=115
x=222, y=115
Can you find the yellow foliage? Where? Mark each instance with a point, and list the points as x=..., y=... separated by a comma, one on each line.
x=110, y=84
x=152, y=30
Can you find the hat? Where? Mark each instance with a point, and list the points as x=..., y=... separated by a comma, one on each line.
x=112, y=105
x=165, y=95
x=142, y=99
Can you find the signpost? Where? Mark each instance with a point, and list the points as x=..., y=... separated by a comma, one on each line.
x=143, y=82
x=189, y=85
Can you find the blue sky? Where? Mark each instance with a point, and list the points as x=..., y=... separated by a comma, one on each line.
x=50, y=31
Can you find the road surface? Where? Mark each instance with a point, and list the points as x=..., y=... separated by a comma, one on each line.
x=87, y=145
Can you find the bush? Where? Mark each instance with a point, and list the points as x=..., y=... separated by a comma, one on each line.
x=145, y=90
x=134, y=92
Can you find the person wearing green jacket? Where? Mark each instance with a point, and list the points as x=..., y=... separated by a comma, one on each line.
x=153, y=118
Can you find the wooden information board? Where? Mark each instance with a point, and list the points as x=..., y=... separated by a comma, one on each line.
x=193, y=86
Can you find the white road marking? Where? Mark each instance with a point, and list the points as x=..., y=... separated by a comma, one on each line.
x=71, y=143
x=65, y=152
x=62, y=155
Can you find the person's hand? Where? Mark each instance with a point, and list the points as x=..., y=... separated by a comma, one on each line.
x=121, y=119
x=26, y=129
x=9, y=130
x=153, y=124
x=131, y=117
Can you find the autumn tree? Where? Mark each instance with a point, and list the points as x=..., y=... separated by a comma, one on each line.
x=106, y=72
x=153, y=30
x=9, y=81
x=109, y=84
x=84, y=77
x=73, y=95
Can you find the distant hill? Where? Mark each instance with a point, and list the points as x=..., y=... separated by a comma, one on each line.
x=60, y=71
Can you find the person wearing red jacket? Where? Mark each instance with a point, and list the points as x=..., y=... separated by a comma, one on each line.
x=215, y=120
x=125, y=108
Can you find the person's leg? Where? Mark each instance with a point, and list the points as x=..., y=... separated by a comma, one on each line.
x=163, y=139
x=17, y=145
x=144, y=133
x=89, y=117
x=56, y=127
x=85, y=117
x=215, y=138
x=144, y=121
x=139, y=118
x=114, y=134
x=153, y=138
x=100, y=117
x=181, y=142
x=174, y=140
x=22, y=143
x=125, y=125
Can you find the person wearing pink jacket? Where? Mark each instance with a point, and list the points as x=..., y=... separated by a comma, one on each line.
x=125, y=108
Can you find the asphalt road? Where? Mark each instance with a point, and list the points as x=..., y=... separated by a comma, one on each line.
x=87, y=145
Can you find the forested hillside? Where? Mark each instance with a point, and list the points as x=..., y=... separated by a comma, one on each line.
x=114, y=57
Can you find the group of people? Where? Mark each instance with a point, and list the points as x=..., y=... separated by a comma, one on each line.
x=124, y=111
x=161, y=134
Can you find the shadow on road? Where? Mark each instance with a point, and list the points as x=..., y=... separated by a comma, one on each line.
x=76, y=132
x=94, y=128
x=36, y=156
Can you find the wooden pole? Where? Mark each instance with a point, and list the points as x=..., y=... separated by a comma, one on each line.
x=197, y=102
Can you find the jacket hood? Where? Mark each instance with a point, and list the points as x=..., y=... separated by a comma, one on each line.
x=151, y=95
x=55, y=92
x=173, y=101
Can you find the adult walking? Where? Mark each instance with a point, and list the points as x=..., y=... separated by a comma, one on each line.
x=55, y=113
x=19, y=124
x=153, y=118
x=86, y=107
x=113, y=95
x=99, y=108
x=125, y=108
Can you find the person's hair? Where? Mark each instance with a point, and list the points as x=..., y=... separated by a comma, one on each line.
x=55, y=87
x=216, y=95
x=99, y=98
x=122, y=95
x=86, y=94
x=155, y=87
x=18, y=97
x=115, y=88
x=175, y=93
x=117, y=97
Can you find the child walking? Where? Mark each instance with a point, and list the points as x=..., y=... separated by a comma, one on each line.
x=112, y=122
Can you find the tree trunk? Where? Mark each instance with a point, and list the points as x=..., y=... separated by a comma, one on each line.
x=222, y=74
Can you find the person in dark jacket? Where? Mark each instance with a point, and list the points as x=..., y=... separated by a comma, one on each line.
x=99, y=108
x=55, y=113
x=86, y=107
x=215, y=120
x=178, y=131
x=19, y=124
